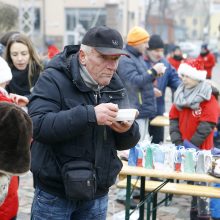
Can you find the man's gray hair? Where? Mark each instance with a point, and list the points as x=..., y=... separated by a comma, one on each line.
x=85, y=48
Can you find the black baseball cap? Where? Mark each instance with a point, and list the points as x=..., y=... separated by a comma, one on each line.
x=105, y=40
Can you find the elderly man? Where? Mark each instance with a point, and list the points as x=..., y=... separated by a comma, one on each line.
x=74, y=107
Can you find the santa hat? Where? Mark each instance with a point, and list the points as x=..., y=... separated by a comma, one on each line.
x=5, y=71
x=193, y=68
x=15, y=139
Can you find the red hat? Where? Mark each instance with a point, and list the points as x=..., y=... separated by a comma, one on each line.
x=193, y=68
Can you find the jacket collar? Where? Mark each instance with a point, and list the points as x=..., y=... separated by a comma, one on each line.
x=115, y=83
x=133, y=50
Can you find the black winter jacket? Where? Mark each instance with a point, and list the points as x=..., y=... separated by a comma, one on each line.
x=65, y=126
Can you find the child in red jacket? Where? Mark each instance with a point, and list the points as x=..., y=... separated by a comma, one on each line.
x=193, y=117
x=14, y=160
x=5, y=77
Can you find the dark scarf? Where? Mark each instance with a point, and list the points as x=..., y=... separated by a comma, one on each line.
x=204, y=53
x=19, y=83
x=177, y=57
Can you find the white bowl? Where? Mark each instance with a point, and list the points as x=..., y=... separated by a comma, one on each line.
x=126, y=114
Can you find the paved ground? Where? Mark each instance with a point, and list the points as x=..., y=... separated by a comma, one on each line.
x=178, y=209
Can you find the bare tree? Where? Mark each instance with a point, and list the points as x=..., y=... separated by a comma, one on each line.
x=148, y=11
x=8, y=17
x=159, y=8
x=163, y=7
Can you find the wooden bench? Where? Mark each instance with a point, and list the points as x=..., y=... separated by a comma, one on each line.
x=166, y=186
x=175, y=188
x=169, y=189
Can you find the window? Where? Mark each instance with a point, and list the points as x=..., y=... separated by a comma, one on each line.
x=194, y=34
x=183, y=21
x=37, y=20
x=86, y=17
x=78, y=21
x=195, y=21
x=70, y=22
x=71, y=39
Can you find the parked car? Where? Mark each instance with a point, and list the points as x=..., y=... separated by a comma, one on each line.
x=190, y=49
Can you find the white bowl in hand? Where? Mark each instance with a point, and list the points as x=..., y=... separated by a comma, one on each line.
x=126, y=114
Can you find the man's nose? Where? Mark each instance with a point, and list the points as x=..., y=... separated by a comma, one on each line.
x=112, y=64
x=146, y=45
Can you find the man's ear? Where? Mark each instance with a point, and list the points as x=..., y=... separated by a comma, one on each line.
x=82, y=57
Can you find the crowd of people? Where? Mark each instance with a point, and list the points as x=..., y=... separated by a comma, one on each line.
x=60, y=115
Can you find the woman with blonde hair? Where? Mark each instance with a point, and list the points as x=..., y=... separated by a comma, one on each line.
x=24, y=62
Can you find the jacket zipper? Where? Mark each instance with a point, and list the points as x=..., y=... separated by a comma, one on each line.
x=97, y=96
x=120, y=90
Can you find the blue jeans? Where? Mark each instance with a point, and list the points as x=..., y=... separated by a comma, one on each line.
x=46, y=206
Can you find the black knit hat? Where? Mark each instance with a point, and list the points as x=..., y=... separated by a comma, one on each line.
x=204, y=46
x=15, y=139
x=155, y=42
x=105, y=40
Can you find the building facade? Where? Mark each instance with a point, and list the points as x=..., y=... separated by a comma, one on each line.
x=66, y=21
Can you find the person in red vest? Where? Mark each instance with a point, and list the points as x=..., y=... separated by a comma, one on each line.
x=208, y=59
x=194, y=102
x=176, y=57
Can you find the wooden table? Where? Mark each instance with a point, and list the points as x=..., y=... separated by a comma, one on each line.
x=129, y=171
x=160, y=120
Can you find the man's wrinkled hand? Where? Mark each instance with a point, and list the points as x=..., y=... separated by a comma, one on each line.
x=122, y=126
x=106, y=113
